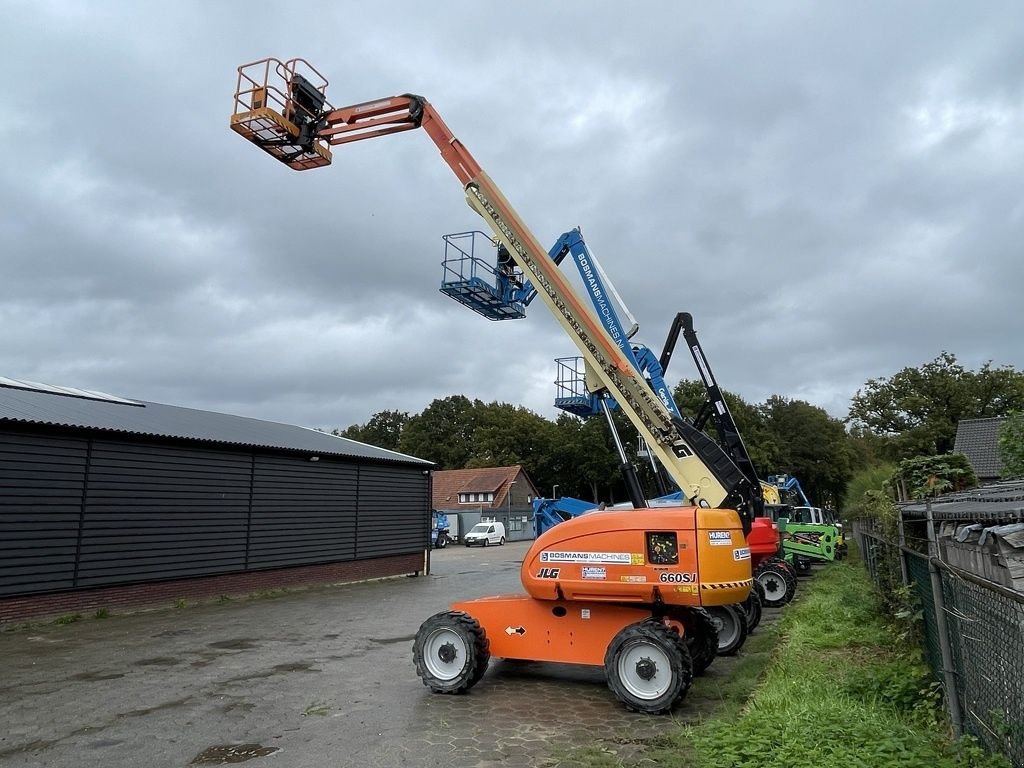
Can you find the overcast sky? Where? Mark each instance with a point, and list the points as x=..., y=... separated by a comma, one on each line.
x=834, y=191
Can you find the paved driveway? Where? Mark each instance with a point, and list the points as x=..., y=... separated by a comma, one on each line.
x=322, y=677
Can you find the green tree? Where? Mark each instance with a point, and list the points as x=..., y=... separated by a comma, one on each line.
x=384, y=430
x=919, y=408
x=585, y=464
x=1011, y=445
x=443, y=432
x=507, y=434
x=811, y=445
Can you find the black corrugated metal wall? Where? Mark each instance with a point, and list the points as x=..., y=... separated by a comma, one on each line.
x=83, y=512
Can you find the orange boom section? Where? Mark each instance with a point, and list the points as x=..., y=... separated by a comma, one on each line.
x=667, y=555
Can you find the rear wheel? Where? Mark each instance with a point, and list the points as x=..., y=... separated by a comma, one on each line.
x=502, y=542
x=778, y=584
x=442, y=541
x=731, y=623
x=752, y=608
x=701, y=635
x=648, y=667
x=451, y=652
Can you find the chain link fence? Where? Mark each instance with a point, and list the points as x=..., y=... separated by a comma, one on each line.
x=973, y=633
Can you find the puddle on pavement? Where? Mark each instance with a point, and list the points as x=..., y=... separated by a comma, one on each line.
x=238, y=644
x=158, y=661
x=157, y=708
x=174, y=632
x=240, y=706
x=97, y=675
x=101, y=743
x=392, y=640
x=277, y=669
x=232, y=753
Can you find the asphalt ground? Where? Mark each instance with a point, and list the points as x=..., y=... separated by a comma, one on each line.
x=308, y=678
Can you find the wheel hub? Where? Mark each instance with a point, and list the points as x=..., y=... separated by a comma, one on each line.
x=447, y=653
x=646, y=669
x=771, y=585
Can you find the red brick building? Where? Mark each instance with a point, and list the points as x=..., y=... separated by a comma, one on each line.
x=502, y=494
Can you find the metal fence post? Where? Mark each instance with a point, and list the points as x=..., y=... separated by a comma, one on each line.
x=942, y=630
x=902, y=541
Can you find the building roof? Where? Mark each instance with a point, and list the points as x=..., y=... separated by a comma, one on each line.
x=994, y=502
x=978, y=440
x=449, y=483
x=28, y=403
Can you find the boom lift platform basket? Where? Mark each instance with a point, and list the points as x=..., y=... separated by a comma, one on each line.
x=278, y=106
x=571, y=393
x=472, y=281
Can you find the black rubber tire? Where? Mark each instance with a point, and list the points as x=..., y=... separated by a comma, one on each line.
x=778, y=584
x=752, y=609
x=442, y=541
x=458, y=636
x=487, y=542
x=672, y=664
x=781, y=562
x=734, y=618
x=502, y=542
x=701, y=636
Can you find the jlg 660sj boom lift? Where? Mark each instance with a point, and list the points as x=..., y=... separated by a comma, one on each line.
x=601, y=589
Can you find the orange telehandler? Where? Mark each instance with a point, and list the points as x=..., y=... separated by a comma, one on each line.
x=609, y=588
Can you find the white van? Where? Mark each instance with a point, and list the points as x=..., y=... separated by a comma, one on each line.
x=486, y=534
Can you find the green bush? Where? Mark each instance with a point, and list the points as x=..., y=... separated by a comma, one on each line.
x=934, y=475
x=877, y=478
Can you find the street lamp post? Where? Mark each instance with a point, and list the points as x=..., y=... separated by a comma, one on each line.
x=510, y=498
x=554, y=491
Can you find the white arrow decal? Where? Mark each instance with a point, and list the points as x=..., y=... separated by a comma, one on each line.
x=515, y=631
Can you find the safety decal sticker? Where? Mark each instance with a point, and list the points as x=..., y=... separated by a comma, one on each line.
x=633, y=579
x=742, y=553
x=619, y=558
x=637, y=558
x=595, y=572
x=720, y=538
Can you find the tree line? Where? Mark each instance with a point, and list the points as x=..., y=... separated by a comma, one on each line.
x=910, y=414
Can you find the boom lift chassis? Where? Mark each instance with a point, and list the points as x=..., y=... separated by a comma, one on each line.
x=603, y=589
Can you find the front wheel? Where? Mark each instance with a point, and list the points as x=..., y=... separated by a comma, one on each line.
x=648, y=667
x=731, y=623
x=442, y=541
x=451, y=652
x=487, y=542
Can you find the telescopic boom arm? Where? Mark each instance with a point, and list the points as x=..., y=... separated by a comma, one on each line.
x=705, y=474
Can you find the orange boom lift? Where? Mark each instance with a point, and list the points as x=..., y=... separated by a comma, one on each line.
x=612, y=588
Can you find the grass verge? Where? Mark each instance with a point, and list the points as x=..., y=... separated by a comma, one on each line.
x=840, y=691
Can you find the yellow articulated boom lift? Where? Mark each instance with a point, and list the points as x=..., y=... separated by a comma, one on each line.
x=612, y=588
